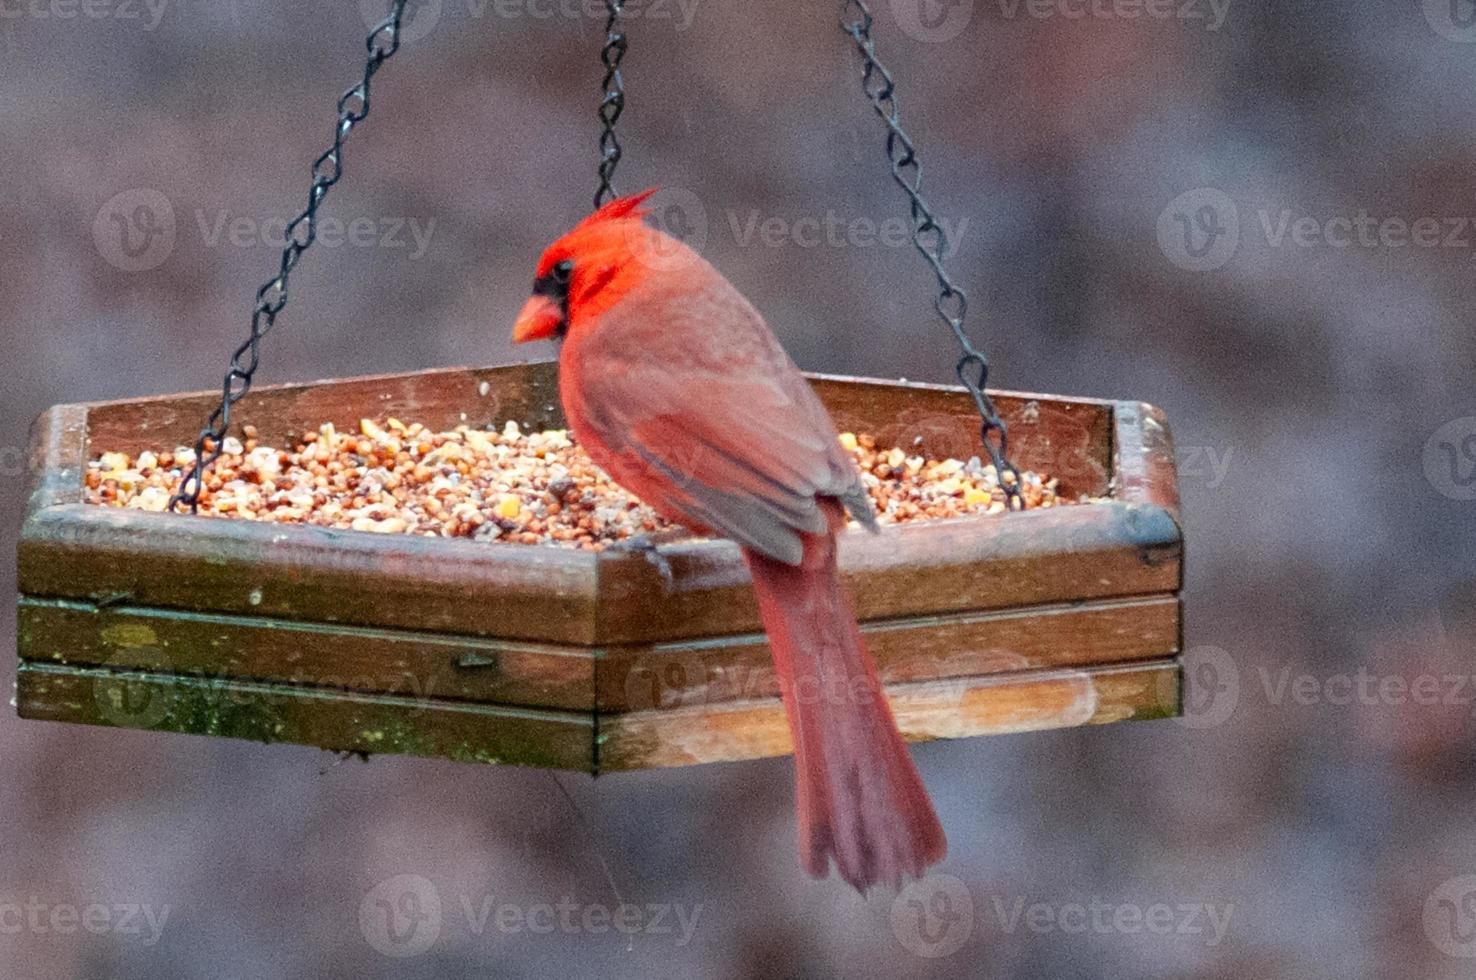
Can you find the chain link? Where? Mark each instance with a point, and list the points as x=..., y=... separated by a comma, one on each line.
x=353, y=107
x=612, y=104
x=931, y=243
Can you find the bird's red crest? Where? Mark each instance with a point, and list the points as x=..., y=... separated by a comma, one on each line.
x=619, y=208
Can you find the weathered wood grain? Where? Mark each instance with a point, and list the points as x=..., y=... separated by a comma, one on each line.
x=441, y=398
x=387, y=724
x=550, y=656
x=338, y=720
x=1063, y=554
x=307, y=573
x=1143, y=456
x=58, y=457
x=380, y=661
x=964, y=708
x=617, y=678
x=1071, y=434
x=694, y=672
x=1125, y=548
x=1069, y=438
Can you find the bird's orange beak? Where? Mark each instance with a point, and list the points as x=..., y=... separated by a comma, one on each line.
x=540, y=319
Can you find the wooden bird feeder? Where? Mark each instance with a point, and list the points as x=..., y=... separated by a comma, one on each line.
x=549, y=656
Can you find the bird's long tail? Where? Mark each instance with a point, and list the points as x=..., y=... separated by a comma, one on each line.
x=858, y=794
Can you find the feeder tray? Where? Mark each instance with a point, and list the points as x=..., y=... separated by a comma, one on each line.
x=549, y=656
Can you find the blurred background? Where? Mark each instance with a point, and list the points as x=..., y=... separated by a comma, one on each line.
x=1259, y=216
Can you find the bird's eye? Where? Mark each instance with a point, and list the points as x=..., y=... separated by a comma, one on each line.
x=564, y=270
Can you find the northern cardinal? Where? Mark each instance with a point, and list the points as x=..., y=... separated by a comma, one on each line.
x=676, y=387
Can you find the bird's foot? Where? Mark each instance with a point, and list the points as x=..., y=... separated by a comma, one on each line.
x=648, y=546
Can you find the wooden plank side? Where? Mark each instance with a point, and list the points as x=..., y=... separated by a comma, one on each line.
x=379, y=724
x=724, y=669
x=1064, y=554
x=1143, y=457
x=316, y=574
x=443, y=398
x=58, y=458
x=336, y=720
x=926, y=711
x=1069, y=438
x=1049, y=432
x=413, y=664
x=447, y=666
x=562, y=596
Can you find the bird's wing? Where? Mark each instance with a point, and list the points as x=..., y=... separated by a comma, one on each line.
x=744, y=448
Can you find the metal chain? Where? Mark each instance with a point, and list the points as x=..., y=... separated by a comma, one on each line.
x=353, y=107
x=931, y=242
x=613, y=102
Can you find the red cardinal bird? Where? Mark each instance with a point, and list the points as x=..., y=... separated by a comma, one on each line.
x=673, y=383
